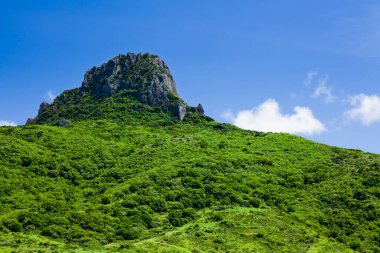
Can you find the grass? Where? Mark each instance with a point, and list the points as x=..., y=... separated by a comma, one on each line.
x=141, y=181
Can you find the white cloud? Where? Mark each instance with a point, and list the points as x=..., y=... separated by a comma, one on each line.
x=365, y=109
x=323, y=90
x=50, y=95
x=7, y=123
x=310, y=77
x=268, y=117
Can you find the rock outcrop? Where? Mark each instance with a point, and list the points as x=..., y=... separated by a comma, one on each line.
x=199, y=109
x=43, y=107
x=64, y=123
x=143, y=77
x=147, y=74
x=181, y=110
x=29, y=121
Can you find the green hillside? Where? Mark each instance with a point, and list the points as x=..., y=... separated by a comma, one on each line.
x=125, y=175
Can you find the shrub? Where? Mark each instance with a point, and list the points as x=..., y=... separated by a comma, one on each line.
x=53, y=231
x=254, y=202
x=53, y=173
x=217, y=217
x=180, y=217
x=355, y=245
x=263, y=160
x=129, y=203
x=105, y=200
x=13, y=225
x=218, y=241
x=128, y=233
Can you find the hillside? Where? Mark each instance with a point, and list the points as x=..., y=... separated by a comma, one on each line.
x=123, y=164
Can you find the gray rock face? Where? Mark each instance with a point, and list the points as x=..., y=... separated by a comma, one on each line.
x=63, y=123
x=181, y=110
x=199, y=109
x=29, y=121
x=144, y=78
x=43, y=107
x=145, y=74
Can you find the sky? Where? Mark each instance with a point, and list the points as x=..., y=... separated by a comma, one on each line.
x=309, y=68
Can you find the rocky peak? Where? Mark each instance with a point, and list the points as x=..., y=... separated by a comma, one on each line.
x=43, y=107
x=143, y=77
x=145, y=73
x=199, y=109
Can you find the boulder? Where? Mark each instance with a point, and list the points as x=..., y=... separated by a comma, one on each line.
x=64, y=123
x=199, y=109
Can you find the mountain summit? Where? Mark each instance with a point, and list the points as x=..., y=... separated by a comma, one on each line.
x=143, y=78
x=143, y=72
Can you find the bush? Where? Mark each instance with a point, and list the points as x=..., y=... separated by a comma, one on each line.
x=260, y=235
x=89, y=242
x=218, y=241
x=254, y=202
x=148, y=220
x=180, y=217
x=53, y=173
x=355, y=245
x=13, y=225
x=128, y=233
x=263, y=160
x=175, y=205
x=129, y=203
x=158, y=205
x=53, y=231
x=105, y=200
x=217, y=217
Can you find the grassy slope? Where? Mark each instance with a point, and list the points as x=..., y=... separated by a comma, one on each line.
x=111, y=185
x=133, y=178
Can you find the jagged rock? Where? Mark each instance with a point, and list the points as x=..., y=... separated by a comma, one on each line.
x=144, y=78
x=199, y=109
x=29, y=121
x=146, y=74
x=181, y=110
x=63, y=123
x=43, y=107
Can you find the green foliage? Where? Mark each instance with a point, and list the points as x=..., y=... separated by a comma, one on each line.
x=123, y=171
x=127, y=233
x=12, y=225
x=53, y=231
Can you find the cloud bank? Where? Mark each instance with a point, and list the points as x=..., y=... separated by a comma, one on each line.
x=7, y=123
x=268, y=117
x=365, y=109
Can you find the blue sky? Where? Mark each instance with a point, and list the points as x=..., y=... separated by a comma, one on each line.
x=306, y=67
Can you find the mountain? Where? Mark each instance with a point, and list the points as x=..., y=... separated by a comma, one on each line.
x=140, y=80
x=123, y=164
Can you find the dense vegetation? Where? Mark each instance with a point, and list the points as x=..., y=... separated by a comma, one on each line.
x=102, y=170
x=128, y=177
